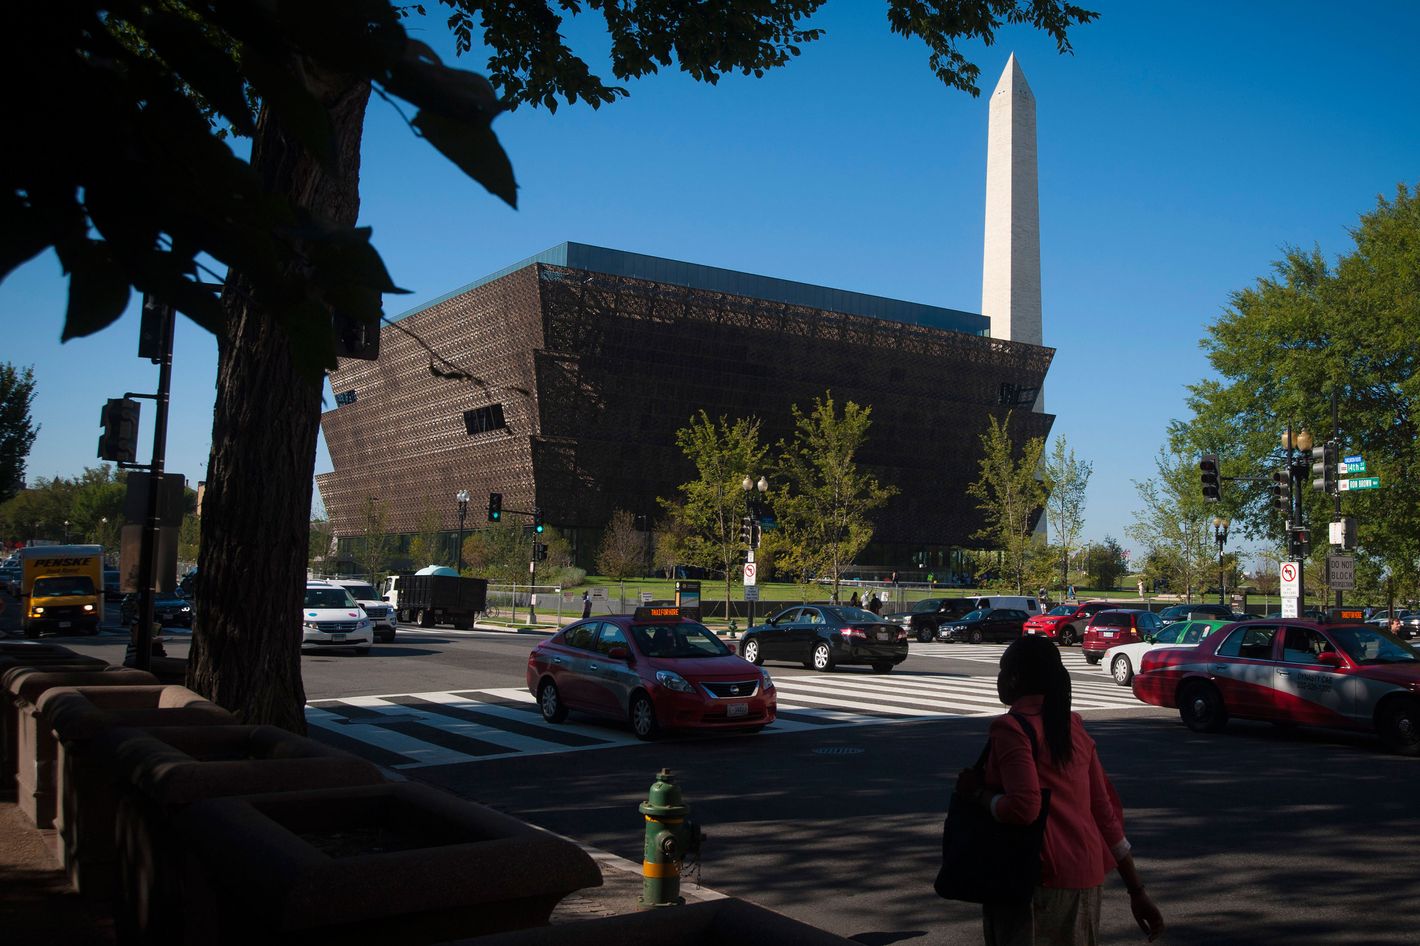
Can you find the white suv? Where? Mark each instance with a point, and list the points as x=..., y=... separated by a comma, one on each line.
x=376, y=608
x=331, y=618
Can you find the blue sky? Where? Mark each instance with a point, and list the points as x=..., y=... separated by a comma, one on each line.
x=1181, y=148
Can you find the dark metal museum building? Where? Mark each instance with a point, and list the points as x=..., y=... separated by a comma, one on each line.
x=584, y=362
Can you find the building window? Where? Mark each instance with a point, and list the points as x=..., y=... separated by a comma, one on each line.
x=481, y=420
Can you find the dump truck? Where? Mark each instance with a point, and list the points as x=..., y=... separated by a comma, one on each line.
x=61, y=589
x=427, y=600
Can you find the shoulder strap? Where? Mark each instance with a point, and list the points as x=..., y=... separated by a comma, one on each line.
x=1030, y=737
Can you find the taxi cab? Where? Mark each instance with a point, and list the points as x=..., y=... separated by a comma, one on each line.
x=1337, y=673
x=656, y=669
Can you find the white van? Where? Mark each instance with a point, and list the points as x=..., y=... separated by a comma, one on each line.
x=1027, y=603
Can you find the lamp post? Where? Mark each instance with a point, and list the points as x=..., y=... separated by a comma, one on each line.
x=1220, y=535
x=754, y=491
x=462, y=497
x=66, y=531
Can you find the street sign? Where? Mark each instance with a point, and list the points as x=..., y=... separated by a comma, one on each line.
x=1291, y=588
x=1289, y=607
x=598, y=594
x=1350, y=466
x=647, y=597
x=1354, y=458
x=751, y=592
x=1341, y=572
x=751, y=571
x=1358, y=482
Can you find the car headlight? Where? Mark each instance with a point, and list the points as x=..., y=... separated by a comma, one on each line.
x=362, y=626
x=673, y=681
x=765, y=680
x=185, y=609
x=310, y=625
x=88, y=607
x=36, y=611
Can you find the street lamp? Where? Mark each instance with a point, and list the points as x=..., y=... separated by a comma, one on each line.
x=462, y=497
x=754, y=492
x=66, y=531
x=1220, y=535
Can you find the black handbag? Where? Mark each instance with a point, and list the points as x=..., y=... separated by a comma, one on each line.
x=984, y=860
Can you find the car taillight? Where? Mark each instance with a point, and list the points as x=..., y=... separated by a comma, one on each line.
x=902, y=634
x=853, y=632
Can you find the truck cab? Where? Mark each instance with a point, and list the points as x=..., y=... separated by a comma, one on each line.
x=61, y=588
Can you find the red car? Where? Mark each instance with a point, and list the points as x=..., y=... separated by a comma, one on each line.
x=1066, y=622
x=1343, y=676
x=656, y=669
x=1119, y=626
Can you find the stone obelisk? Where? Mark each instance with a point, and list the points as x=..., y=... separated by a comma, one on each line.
x=1010, y=275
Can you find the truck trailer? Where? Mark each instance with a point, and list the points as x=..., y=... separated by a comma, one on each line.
x=427, y=600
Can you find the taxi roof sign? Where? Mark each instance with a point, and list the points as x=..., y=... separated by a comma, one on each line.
x=657, y=613
x=1338, y=615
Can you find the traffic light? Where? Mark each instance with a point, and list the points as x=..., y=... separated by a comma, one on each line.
x=119, y=441
x=539, y=552
x=642, y=522
x=1208, y=468
x=537, y=521
x=1279, y=492
x=495, y=507
x=1300, y=544
x=747, y=530
x=755, y=533
x=1326, y=457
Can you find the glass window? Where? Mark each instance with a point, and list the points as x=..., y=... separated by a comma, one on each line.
x=1149, y=621
x=1253, y=641
x=849, y=615
x=979, y=615
x=581, y=636
x=329, y=598
x=787, y=616
x=362, y=592
x=1170, y=634
x=1369, y=645
x=811, y=616
x=61, y=586
x=610, y=636
x=1196, y=631
x=1301, y=645
x=685, y=639
x=1063, y=610
x=1111, y=619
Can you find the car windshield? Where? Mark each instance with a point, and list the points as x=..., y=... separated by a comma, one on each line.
x=328, y=598
x=61, y=586
x=1176, y=613
x=927, y=604
x=976, y=615
x=362, y=592
x=1063, y=611
x=685, y=639
x=850, y=615
x=1369, y=645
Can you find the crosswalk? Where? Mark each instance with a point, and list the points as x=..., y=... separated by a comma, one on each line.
x=416, y=730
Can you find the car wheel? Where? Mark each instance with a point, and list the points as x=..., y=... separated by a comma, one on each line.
x=424, y=618
x=750, y=652
x=1067, y=636
x=883, y=666
x=822, y=658
x=549, y=700
x=924, y=635
x=1400, y=726
x=643, y=717
x=1200, y=706
x=1092, y=659
x=976, y=636
x=1121, y=670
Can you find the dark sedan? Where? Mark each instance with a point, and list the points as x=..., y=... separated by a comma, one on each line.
x=986, y=624
x=824, y=636
x=168, y=609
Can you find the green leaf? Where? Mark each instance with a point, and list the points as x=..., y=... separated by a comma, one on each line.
x=476, y=151
x=210, y=71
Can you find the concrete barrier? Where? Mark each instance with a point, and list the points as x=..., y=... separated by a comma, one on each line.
x=25, y=655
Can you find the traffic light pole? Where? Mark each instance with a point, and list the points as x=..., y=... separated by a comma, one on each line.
x=147, y=557
x=1294, y=501
x=1336, y=493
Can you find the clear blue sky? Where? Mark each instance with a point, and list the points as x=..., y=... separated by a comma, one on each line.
x=1181, y=148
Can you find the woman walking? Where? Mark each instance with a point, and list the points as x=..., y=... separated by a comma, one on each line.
x=1084, y=832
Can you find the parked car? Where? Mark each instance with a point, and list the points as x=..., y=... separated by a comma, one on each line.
x=1288, y=671
x=929, y=614
x=1066, y=623
x=985, y=624
x=168, y=610
x=331, y=618
x=1122, y=660
x=824, y=636
x=1184, y=612
x=1120, y=626
x=656, y=669
x=10, y=576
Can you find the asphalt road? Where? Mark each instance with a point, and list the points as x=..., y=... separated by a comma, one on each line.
x=1256, y=835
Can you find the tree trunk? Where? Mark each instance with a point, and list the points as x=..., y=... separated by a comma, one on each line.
x=256, y=511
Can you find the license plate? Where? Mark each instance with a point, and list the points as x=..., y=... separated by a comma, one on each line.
x=337, y=637
x=1109, y=633
x=66, y=623
x=884, y=636
x=737, y=709
x=1030, y=630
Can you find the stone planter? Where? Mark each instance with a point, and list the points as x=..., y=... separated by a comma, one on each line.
x=29, y=654
x=394, y=863
x=85, y=781
x=726, y=922
x=167, y=769
x=34, y=744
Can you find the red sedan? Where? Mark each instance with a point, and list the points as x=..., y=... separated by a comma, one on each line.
x=655, y=669
x=1343, y=676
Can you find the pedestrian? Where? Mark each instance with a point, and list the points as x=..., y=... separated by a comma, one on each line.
x=1070, y=592
x=854, y=600
x=1084, y=831
x=1141, y=587
x=586, y=604
x=876, y=605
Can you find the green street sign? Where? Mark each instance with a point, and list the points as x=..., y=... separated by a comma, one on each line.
x=1359, y=482
x=1351, y=466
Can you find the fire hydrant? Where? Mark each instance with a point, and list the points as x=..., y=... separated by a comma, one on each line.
x=670, y=836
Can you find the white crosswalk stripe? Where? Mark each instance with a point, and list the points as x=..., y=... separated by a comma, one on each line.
x=417, y=730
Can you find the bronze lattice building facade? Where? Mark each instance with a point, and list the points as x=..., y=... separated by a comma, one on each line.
x=583, y=362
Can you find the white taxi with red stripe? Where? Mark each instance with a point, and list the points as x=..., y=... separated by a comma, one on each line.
x=1338, y=675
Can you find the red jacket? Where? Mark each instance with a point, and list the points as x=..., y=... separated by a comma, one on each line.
x=1085, y=830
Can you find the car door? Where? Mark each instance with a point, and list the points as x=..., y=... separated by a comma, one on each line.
x=1005, y=624
x=1243, y=670
x=807, y=631
x=1306, y=690
x=611, y=680
x=773, y=640
x=570, y=659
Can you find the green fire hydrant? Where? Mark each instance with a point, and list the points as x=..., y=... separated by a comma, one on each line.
x=670, y=836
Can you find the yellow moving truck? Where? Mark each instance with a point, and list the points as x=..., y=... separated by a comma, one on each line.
x=62, y=588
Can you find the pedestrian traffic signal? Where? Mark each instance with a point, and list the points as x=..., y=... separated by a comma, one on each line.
x=495, y=507
x=119, y=441
x=1325, y=458
x=747, y=530
x=537, y=521
x=1300, y=542
x=1279, y=491
x=1208, y=468
x=539, y=552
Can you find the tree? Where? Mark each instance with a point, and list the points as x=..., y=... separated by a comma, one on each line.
x=1175, y=524
x=318, y=548
x=824, y=508
x=1010, y=496
x=425, y=548
x=712, y=505
x=1104, y=563
x=671, y=539
x=138, y=186
x=1066, y=479
x=1288, y=343
x=623, y=550
x=17, y=430
x=375, y=543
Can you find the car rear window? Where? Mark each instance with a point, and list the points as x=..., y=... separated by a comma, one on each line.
x=1112, y=619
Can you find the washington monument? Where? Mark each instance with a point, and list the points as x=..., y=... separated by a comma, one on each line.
x=1010, y=272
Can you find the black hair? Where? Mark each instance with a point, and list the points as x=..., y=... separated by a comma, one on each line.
x=1036, y=668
